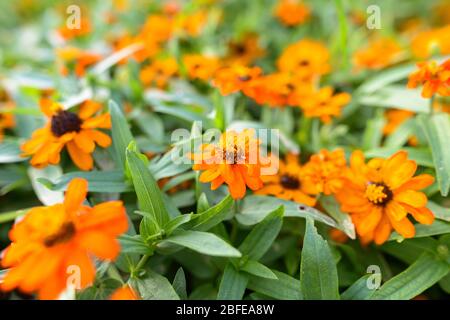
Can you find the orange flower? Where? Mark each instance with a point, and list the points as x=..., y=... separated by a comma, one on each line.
x=338, y=236
x=324, y=171
x=159, y=72
x=85, y=28
x=6, y=122
x=380, y=194
x=149, y=48
x=379, y=54
x=289, y=182
x=234, y=160
x=77, y=132
x=52, y=247
x=245, y=51
x=193, y=24
x=235, y=78
x=307, y=58
x=292, y=12
x=394, y=119
x=434, y=78
x=157, y=28
x=428, y=43
x=323, y=104
x=81, y=60
x=200, y=67
x=124, y=293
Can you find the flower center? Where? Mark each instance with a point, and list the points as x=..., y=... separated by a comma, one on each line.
x=289, y=182
x=64, y=122
x=378, y=194
x=244, y=78
x=64, y=234
x=233, y=155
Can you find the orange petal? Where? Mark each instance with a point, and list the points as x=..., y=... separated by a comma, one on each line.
x=382, y=231
x=403, y=227
x=413, y=198
x=84, y=141
x=102, y=139
x=421, y=215
x=102, y=245
x=395, y=211
x=83, y=160
x=417, y=183
x=76, y=194
x=369, y=221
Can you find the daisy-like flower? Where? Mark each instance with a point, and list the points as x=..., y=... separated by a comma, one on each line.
x=52, y=245
x=159, y=72
x=244, y=51
x=292, y=12
x=324, y=171
x=235, y=78
x=200, y=67
x=192, y=24
x=434, y=78
x=76, y=131
x=307, y=58
x=324, y=104
x=430, y=42
x=234, y=160
x=289, y=182
x=380, y=194
x=379, y=54
x=124, y=293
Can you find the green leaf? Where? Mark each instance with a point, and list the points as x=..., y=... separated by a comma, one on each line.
x=259, y=240
x=401, y=135
x=147, y=190
x=358, y=290
x=283, y=288
x=202, y=242
x=176, y=222
x=255, y=208
x=12, y=215
x=233, y=284
x=212, y=216
x=10, y=151
x=437, y=132
x=384, y=78
x=423, y=230
x=444, y=283
x=439, y=211
x=121, y=134
x=258, y=269
x=99, y=181
x=133, y=244
x=373, y=133
x=419, y=276
x=318, y=273
x=179, y=284
x=421, y=156
x=155, y=287
x=344, y=220
x=46, y=196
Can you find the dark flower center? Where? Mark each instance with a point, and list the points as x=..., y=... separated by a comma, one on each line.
x=64, y=234
x=379, y=194
x=64, y=122
x=289, y=182
x=244, y=78
x=303, y=63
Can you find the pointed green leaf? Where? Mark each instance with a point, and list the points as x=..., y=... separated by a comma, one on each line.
x=121, y=134
x=233, y=284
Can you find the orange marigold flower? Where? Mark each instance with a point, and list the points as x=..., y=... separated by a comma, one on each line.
x=159, y=72
x=307, y=57
x=125, y=293
x=324, y=105
x=70, y=33
x=6, y=122
x=234, y=160
x=324, y=170
x=289, y=182
x=235, y=78
x=380, y=194
x=200, y=67
x=244, y=51
x=379, y=54
x=76, y=131
x=292, y=12
x=428, y=43
x=50, y=241
x=434, y=78
x=79, y=59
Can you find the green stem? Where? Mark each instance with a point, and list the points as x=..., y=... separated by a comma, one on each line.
x=9, y=216
x=139, y=266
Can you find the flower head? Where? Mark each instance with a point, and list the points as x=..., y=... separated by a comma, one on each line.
x=434, y=78
x=124, y=293
x=292, y=12
x=235, y=78
x=324, y=171
x=76, y=131
x=234, y=160
x=324, y=104
x=379, y=54
x=379, y=196
x=51, y=243
x=84, y=28
x=159, y=72
x=76, y=58
x=289, y=183
x=430, y=42
x=244, y=51
x=200, y=67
